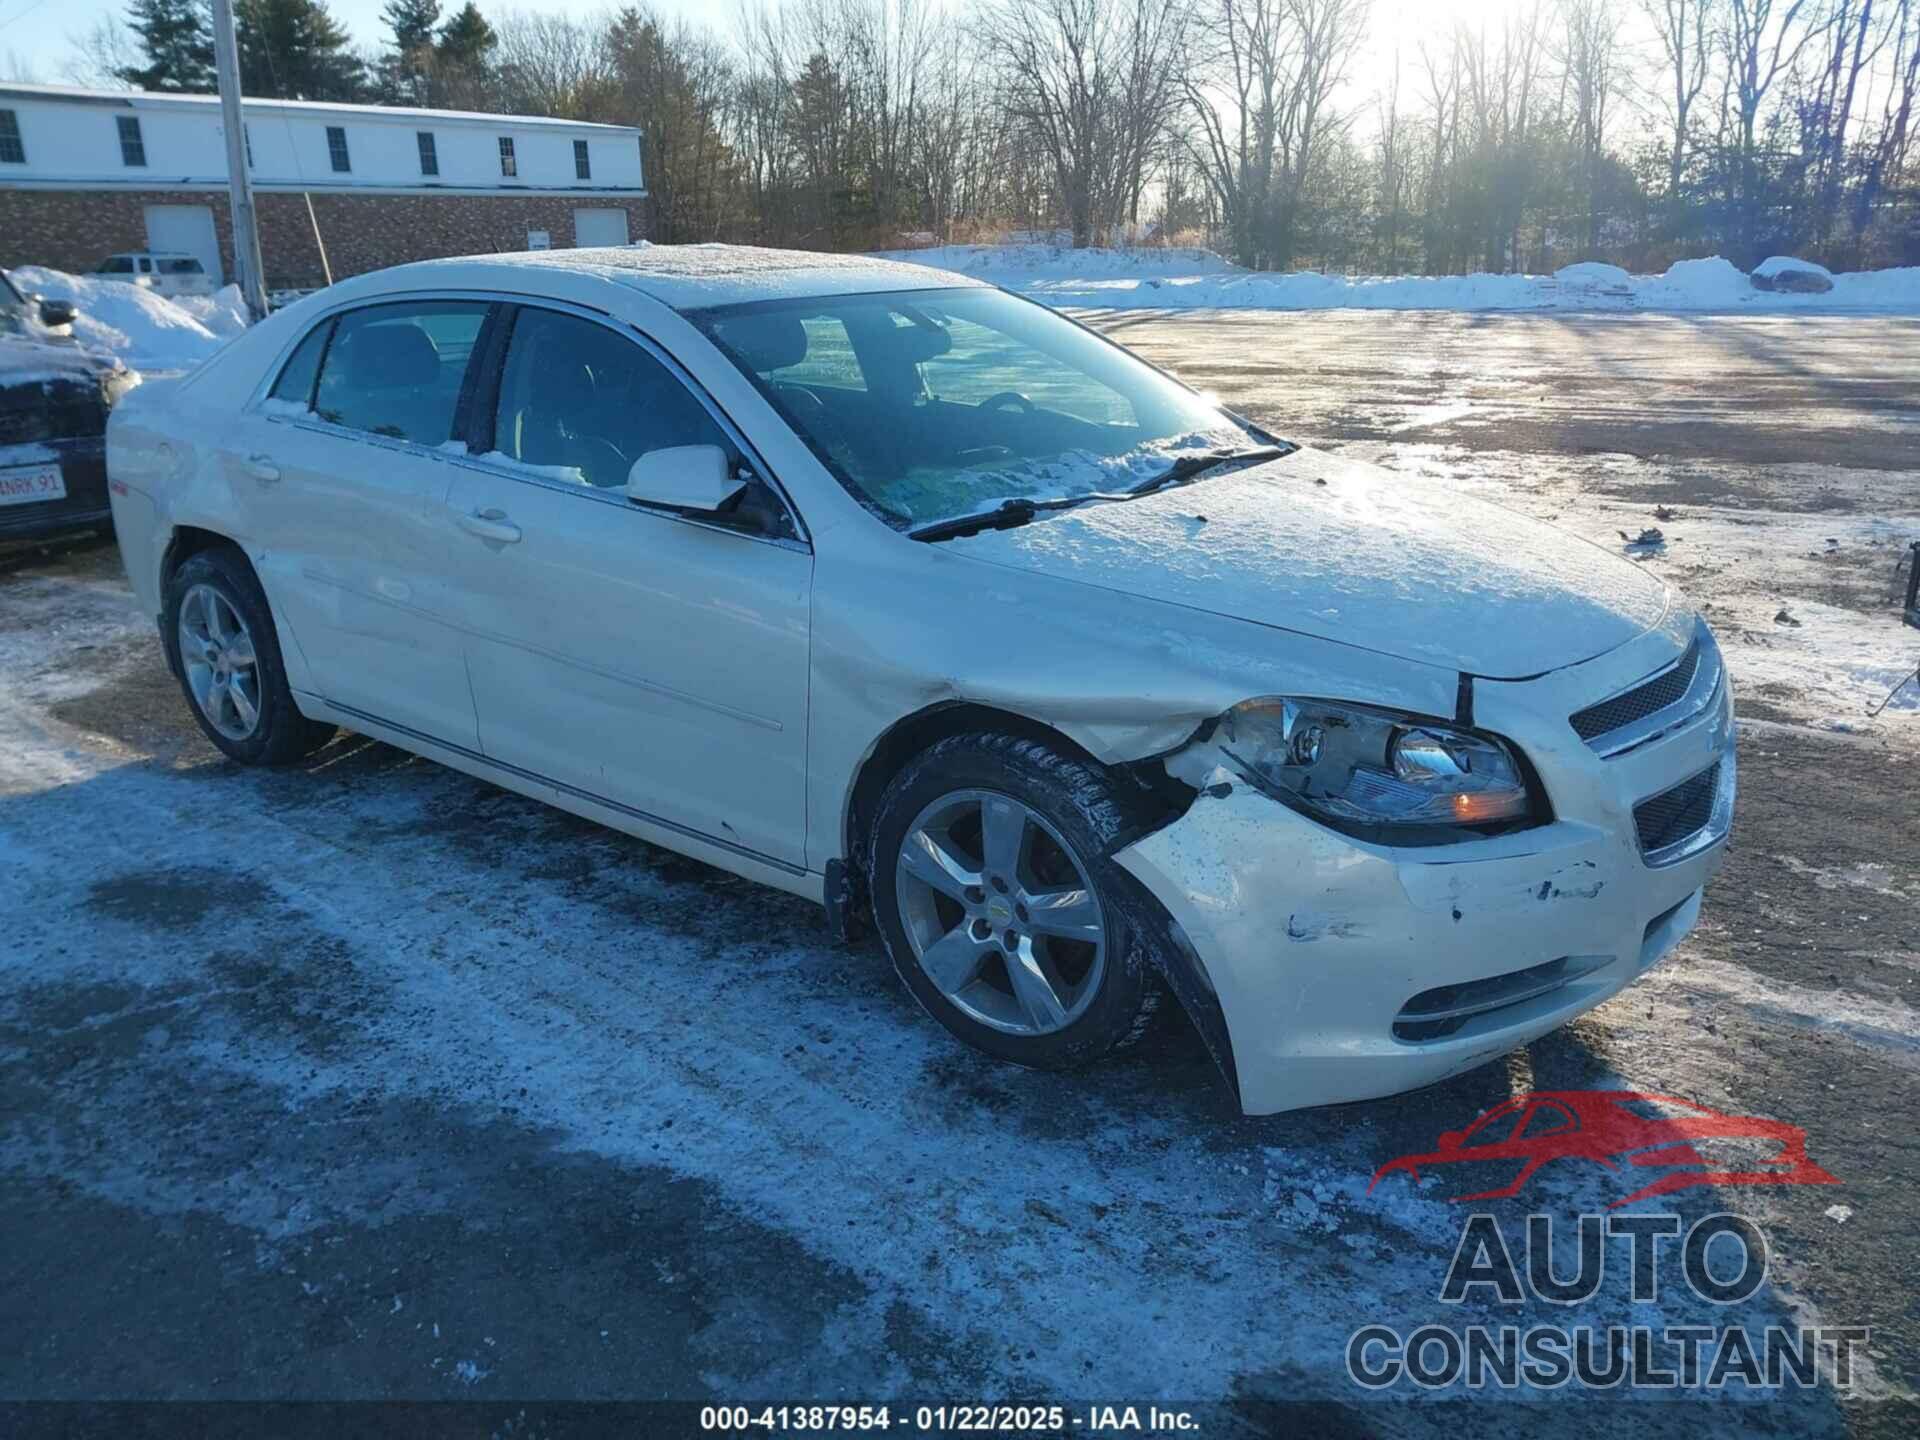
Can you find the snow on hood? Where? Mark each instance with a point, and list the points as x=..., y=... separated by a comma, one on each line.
x=25, y=359
x=1366, y=558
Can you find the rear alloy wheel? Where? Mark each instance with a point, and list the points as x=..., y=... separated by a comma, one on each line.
x=999, y=907
x=219, y=634
x=218, y=662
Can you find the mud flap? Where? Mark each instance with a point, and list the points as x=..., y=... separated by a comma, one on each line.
x=846, y=917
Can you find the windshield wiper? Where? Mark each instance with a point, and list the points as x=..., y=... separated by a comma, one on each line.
x=1007, y=515
x=1189, y=467
x=1019, y=510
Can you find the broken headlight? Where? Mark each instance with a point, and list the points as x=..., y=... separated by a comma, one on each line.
x=1357, y=767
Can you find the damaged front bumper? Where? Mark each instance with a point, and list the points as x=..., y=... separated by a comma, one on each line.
x=1345, y=970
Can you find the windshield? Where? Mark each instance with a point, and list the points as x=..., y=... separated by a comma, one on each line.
x=931, y=404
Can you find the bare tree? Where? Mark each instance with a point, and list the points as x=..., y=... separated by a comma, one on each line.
x=1264, y=99
x=102, y=53
x=1590, y=40
x=1687, y=46
x=1093, y=81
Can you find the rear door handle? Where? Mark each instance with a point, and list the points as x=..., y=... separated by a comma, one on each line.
x=261, y=468
x=488, y=525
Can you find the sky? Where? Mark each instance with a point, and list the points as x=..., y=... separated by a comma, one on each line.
x=37, y=36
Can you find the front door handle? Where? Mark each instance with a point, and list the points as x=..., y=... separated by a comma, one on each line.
x=489, y=525
x=261, y=468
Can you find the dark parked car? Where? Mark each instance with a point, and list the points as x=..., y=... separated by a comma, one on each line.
x=54, y=399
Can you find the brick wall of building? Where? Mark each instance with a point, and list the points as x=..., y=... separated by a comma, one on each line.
x=72, y=229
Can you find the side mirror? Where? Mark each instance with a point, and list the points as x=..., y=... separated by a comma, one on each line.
x=687, y=477
x=54, y=313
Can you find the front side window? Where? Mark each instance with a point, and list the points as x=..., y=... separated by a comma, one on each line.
x=508, y=165
x=932, y=404
x=12, y=152
x=396, y=370
x=585, y=403
x=582, y=167
x=133, y=149
x=337, y=149
x=429, y=153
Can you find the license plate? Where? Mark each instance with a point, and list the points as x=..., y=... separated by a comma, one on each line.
x=31, y=484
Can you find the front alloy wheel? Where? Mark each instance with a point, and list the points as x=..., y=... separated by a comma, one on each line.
x=1000, y=913
x=992, y=889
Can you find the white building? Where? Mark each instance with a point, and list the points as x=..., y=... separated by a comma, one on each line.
x=84, y=173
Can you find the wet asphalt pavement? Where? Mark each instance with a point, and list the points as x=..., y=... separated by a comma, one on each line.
x=366, y=1080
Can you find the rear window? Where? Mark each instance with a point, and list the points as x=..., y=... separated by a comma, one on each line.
x=295, y=384
x=396, y=370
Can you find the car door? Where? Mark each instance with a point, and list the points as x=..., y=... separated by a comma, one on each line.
x=343, y=472
x=651, y=659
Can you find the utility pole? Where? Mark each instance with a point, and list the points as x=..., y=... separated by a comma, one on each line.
x=246, y=230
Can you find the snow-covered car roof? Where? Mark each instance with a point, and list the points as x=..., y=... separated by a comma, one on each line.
x=692, y=277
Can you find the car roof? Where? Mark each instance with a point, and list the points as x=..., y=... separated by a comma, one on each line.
x=692, y=277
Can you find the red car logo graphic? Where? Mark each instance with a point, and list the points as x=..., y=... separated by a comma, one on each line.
x=1690, y=1143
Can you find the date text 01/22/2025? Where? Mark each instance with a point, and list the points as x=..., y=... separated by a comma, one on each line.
x=949, y=1419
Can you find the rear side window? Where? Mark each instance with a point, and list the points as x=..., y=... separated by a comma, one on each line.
x=181, y=267
x=116, y=265
x=295, y=384
x=578, y=398
x=396, y=370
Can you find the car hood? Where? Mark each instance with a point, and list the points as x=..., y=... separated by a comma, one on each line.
x=25, y=359
x=1355, y=554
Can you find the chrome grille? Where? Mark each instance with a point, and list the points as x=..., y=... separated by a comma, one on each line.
x=1673, y=815
x=1663, y=690
x=1661, y=703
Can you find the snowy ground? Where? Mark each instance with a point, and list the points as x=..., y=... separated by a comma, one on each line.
x=368, y=1079
x=1185, y=279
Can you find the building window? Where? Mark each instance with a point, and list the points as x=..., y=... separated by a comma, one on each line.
x=429, y=157
x=133, y=150
x=12, y=152
x=508, y=165
x=582, y=169
x=337, y=148
x=246, y=135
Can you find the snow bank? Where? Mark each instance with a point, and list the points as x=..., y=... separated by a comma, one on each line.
x=1201, y=280
x=147, y=331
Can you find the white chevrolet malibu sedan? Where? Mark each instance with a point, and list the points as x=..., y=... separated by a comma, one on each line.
x=917, y=599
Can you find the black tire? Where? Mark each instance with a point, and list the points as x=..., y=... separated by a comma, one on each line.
x=1082, y=805
x=281, y=735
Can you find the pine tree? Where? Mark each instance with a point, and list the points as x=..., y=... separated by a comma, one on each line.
x=412, y=23
x=178, y=41
x=295, y=50
x=404, y=71
x=467, y=40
